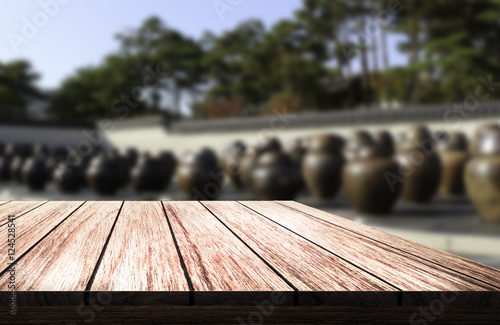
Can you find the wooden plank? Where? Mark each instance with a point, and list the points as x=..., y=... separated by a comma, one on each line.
x=99, y=314
x=297, y=260
x=459, y=264
x=30, y=227
x=395, y=266
x=66, y=258
x=17, y=209
x=221, y=268
x=141, y=256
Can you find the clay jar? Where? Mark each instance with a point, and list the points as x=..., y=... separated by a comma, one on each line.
x=167, y=164
x=5, y=162
x=68, y=179
x=103, y=174
x=23, y=151
x=482, y=177
x=122, y=166
x=248, y=161
x=365, y=180
x=131, y=156
x=145, y=176
x=480, y=133
x=231, y=162
x=454, y=156
x=275, y=177
x=419, y=166
x=355, y=142
x=322, y=165
x=198, y=175
x=35, y=171
x=297, y=150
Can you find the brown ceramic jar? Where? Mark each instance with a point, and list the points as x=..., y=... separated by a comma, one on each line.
x=198, y=175
x=419, y=165
x=275, y=177
x=482, y=177
x=454, y=156
x=355, y=142
x=103, y=174
x=248, y=161
x=145, y=175
x=35, y=171
x=322, y=165
x=231, y=162
x=366, y=180
x=296, y=150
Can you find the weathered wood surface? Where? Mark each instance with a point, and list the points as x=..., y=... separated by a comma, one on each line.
x=159, y=254
x=32, y=227
x=308, y=267
x=66, y=258
x=141, y=254
x=17, y=209
x=215, y=259
x=251, y=315
x=459, y=264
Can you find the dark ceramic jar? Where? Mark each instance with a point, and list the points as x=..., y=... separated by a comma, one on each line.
x=5, y=162
x=131, y=156
x=419, y=165
x=297, y=150
x=322, y=165
x=366, y=183
x=249, y=160
x=35, y=172
x=384, y=142
x=123, y=168
x=482, y=177
x=275, y=177
x=167, y=163
x=68, y=179
x=103, y=174
x=480, y=133
x=454, y=156
x=231, y=162
x=355, y=142
x=145, y=176
x=198, y=175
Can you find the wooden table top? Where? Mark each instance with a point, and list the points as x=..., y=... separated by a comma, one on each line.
x=223, y=253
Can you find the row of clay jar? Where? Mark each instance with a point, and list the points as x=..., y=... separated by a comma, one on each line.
x=373, y=170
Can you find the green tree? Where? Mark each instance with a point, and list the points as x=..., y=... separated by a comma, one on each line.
x=17, y=88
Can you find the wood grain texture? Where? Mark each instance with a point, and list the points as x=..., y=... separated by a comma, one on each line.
x=141, y=254
x=98, y=314
x=471, y=268
x=33, y=226
x=397, y=267
x=17, y=209
x=308, y=267
x=65, y=259
x=215, y=259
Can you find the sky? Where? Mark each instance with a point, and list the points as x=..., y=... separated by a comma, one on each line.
x=60, y=36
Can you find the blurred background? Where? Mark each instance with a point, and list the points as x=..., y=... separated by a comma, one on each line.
x=384, y=112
